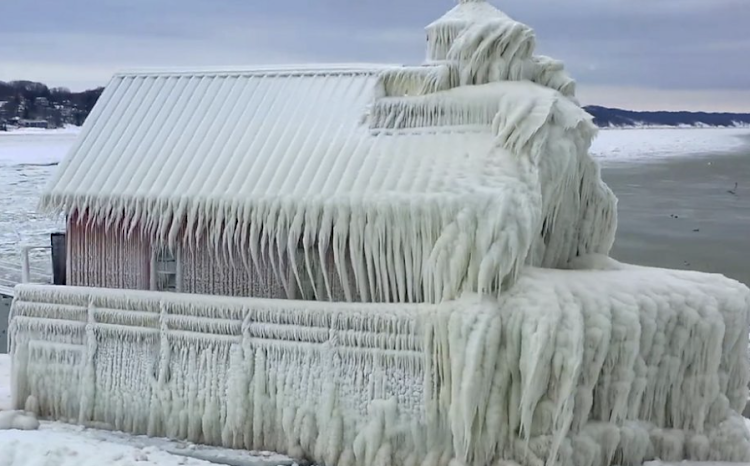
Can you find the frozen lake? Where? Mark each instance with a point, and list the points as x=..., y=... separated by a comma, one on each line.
x=28, y=159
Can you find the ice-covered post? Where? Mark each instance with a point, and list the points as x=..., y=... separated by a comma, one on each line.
x=25, y=268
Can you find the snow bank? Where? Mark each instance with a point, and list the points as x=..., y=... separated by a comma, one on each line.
x=18, y=420
x=60, y=444
x=71, y=449
x=12, y=419
x=598, y=367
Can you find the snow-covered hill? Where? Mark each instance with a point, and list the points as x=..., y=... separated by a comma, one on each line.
x=618, y=118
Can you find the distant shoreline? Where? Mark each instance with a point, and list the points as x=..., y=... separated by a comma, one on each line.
x=627, y=128
x=69, y=129
x=75, y=129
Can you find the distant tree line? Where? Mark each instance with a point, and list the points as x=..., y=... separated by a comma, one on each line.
x=615, y=117
x=33, y=101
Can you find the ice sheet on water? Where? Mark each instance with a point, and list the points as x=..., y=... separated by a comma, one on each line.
x=642, y=145
x=34, y=148
x=27, y=161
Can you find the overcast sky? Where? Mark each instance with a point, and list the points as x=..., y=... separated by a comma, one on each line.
x=641, y=54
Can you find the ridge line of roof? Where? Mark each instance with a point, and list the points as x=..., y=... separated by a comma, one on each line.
x=323, y=68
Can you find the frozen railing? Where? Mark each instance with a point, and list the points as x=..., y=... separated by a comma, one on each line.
x=13, y=272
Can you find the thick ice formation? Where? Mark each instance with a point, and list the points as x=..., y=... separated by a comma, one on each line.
x=586, y=367
x=481, y=44
x=465, y=185
x=18, y=420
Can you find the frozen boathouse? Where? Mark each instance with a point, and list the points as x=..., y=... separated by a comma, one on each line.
x=373, y=265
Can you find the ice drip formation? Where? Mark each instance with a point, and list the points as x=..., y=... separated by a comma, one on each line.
x=467, y=315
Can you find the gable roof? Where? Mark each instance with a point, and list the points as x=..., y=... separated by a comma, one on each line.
x=197, y=143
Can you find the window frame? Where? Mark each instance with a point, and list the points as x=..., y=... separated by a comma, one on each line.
x=156, y=251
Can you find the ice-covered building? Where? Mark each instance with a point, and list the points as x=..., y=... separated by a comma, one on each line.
x=373, y=265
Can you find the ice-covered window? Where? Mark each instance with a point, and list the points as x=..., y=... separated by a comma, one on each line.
x=166, y=271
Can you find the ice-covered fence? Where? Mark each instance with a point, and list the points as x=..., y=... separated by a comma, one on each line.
x=33, y=265
x=583, y=367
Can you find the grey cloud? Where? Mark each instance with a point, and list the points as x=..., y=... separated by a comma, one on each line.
x=692, y=45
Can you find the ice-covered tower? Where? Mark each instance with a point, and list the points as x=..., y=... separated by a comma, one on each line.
x=475, y=43
x=443, y=32
x=481, y=81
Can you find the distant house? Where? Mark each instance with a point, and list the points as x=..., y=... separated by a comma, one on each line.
x=41, y=102
x=43, y=124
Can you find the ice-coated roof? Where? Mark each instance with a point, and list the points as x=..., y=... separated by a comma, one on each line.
x=244, y=137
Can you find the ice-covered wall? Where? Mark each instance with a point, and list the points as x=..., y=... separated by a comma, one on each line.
x=612, y=366
x=108, y=257
x=104, y=257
